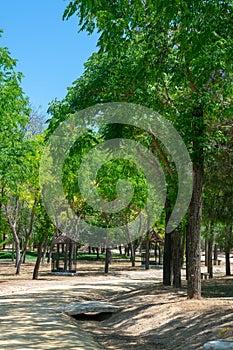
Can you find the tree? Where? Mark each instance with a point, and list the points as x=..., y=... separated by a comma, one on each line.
x=183, y=52
x=44, y=229
x=218, y=193
x=14, y=113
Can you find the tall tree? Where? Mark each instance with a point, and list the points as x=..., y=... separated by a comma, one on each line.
x=183, y=52
x=14, y=113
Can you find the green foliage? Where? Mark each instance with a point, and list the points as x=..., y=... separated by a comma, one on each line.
x=172, y=57
x=14, y=115
x=218, y=190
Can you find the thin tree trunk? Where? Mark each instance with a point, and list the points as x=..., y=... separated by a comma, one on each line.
x=51, y=245
x=50, y=253
x=13, y=251
x=215, y=253
x=131, y=246
x=167, y=253
x=132, y=254
x=38, y=260
x=4, y=239
x=12, y=219
x=210, y=260
x=228, y=249
x=206, y=252
x=228, y=265
x=97, y=253
x=18, y=259
x=44, y=253
x=45, y=249
x=147, y=256
x=28, y=235
x=108, y=259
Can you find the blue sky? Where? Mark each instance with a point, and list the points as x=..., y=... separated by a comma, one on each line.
x=50, y=51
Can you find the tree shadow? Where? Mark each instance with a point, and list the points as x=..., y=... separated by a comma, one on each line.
x=218, y=288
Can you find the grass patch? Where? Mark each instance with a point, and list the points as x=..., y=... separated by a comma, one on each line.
x=31, y=255
x=7, y=255
x=93, y=256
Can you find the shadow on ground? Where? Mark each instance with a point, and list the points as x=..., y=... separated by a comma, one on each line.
x=158, y=318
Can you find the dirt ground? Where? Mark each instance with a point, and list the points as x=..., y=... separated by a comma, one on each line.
x=153, y=317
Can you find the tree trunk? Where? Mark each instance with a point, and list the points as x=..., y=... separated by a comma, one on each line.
x=147, y=256
x=50, y=253
x=210, y=261
x=228, y=250
x=97, y=253
x=44, y=250
x=13, y=251
x=127, y=250
x=21, y=260
x=193, y=240
x=4, y=239
x=44, y=253
x=28, y=235
x=12, y=220
x=132, y=254
x=24, y=257
x=38, y=260
x=228, y=265
x=206, y=252
x=160, y=255
x=177, y=258
x=18, y=258
x=215, y=252
x=167, y=253
x=108, y=260
x=55, y=233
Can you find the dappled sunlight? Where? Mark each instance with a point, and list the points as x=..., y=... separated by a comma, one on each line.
x=32, y=323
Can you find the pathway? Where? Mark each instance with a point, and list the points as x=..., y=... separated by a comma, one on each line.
x=28, y=318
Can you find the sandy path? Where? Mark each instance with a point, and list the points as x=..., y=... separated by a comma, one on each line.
x=28, y=317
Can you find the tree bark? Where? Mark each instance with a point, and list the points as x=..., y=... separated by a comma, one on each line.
x=28, y=235
x=167, y=253
x=12, y=218
x=193, y=242
x=38, y=260
x=193, y=239
x=206, y=252
x=177, y=252
x=52, y=245
x=147, y=256
x=108, y=260
x=132, y=254
x=17, y=260
x=210, y=261
x=215, y=252
x=228, y=249
x=228, y=265
x=4, y=244
x=13, y=251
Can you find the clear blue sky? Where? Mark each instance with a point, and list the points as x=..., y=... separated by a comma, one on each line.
x=50, y=52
